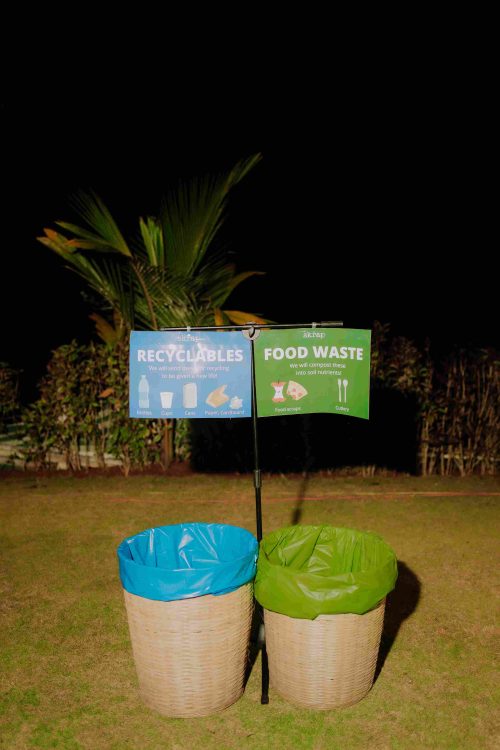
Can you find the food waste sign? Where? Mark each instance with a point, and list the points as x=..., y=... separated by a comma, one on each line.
x=190, y=374
x=313, y=370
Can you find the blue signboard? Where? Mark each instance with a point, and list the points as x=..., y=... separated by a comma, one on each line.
x=190, y=374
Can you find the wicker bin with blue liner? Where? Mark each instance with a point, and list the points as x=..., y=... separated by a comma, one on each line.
x=323, y=591
x=189, y=598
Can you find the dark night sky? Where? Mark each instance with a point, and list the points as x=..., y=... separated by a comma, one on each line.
x=373, y=211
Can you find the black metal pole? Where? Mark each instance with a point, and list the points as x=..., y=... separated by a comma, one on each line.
x=257, y=482
x=252, y=329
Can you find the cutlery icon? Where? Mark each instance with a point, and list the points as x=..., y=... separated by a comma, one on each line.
x=339, y=381
x=345, y=384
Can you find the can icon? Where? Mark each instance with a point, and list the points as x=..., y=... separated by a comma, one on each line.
x=189, y=396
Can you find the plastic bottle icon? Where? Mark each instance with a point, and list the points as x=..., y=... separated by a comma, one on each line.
x=143, y=393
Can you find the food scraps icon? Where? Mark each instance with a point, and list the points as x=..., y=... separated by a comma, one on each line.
x=278, y=391
x=294, y=390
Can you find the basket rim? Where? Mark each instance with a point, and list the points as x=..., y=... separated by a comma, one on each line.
x=130, y=561
x=188, y=596
x=381, y=602
x=289, y=570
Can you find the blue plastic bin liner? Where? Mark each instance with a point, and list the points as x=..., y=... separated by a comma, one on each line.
x=168, y=563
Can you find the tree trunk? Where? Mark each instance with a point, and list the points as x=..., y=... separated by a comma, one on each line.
x=168, y=443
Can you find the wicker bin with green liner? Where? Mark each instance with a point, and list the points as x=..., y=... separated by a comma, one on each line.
x=323, y=592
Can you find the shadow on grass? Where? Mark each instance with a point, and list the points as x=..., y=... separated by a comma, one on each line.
x=401, y=603
x=297, y=511
x=306, y=468
x=256, y=635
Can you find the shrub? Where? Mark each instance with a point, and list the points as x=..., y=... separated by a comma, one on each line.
x=9, y=395
x=84, y=403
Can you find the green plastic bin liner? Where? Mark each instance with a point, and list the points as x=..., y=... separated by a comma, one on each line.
x=306, y=571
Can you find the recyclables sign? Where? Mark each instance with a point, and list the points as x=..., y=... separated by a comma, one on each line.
x=190, y=374
x=313, y=370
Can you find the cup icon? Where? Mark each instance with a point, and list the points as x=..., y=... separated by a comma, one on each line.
x=166, y=399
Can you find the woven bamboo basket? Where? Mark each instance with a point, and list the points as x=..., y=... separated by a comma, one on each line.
x=191, y=654
x=324, y=663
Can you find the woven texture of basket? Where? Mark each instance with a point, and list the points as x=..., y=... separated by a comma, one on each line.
x=191, y=654
x=324, y=663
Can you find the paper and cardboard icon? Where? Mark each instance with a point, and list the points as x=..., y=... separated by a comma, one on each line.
x=217, y=397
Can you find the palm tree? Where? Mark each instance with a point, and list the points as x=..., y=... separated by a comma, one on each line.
x=172, y=274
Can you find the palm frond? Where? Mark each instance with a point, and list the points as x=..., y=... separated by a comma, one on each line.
x=211, y=282
x=165, y=298
x=83, y=240
x=222, y=283
x=57, y=242
x=242, y=318
x=240, y=277
x=110, y=279
x=219, y=318
x=164, y=277
x=104, y=233
x=107, y=332
x=193, y=213
x=152, y=238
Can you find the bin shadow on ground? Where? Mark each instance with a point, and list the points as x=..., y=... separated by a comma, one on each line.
x=255, y=641
x=401, y=604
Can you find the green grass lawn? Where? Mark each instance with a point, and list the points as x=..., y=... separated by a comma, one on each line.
x=67, y=677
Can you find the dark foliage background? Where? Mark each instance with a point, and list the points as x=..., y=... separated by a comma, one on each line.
x=372, y=202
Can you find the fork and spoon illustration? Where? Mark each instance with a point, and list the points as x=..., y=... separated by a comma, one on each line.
x=341, y=383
